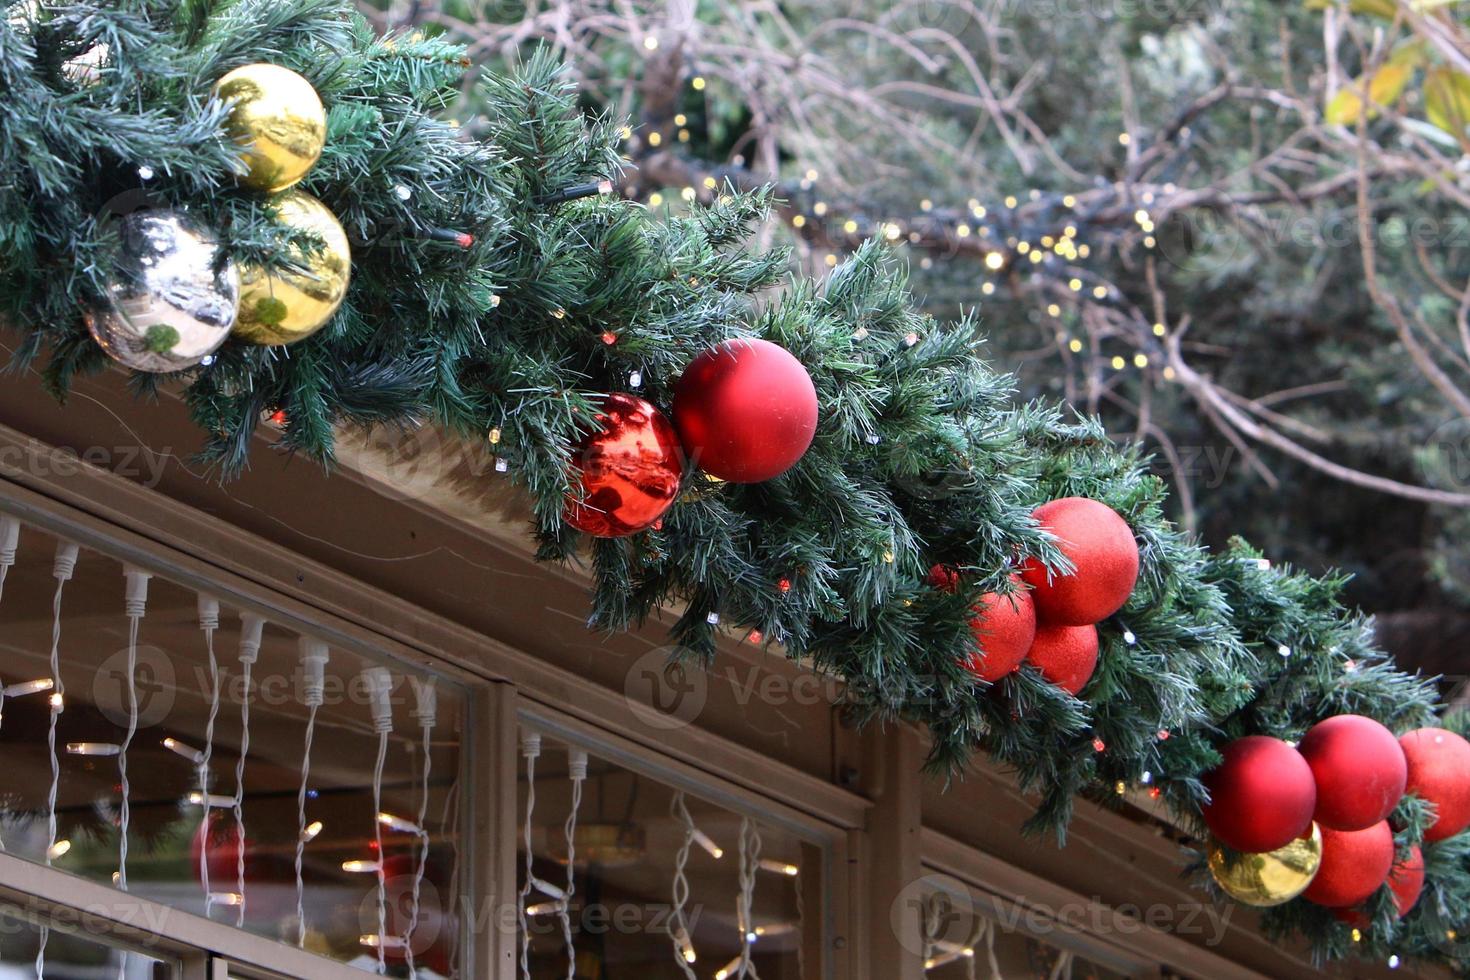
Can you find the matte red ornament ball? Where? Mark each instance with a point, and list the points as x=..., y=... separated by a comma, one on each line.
x=1261, y=795
x=1439, y=772
x=1405, y=881
x=1355, y=863
x=1006, y=630
x=630, y=469
x=1065, y=655
x=1359, y=768
x=1004, y=626
x=1104, y=558
x=746, y=410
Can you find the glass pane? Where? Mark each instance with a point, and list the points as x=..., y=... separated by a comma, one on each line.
x=656, y=880
x=967, y=934
x=143, y=742
x=59, y=952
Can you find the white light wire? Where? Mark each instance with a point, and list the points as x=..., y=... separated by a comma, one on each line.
x=678, y=926
x=62, y=570
x=136, y=605
x=530, y=750
x=314, y=656
x=208, y=625
x=252, y=628
x=577, y=771
x=426, y=712
x=750, y=854
x=380, y=688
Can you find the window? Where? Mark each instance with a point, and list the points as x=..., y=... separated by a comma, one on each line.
x=968, y=933
x=662, y=883
x=65, y=950
x=204, y=757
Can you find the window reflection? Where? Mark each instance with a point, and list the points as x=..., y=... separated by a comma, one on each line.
x=657, y=880
x=286, y=757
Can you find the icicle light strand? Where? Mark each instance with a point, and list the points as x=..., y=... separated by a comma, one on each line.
x=252, y=630
x=136, y=606
x=208, y=625
x=530, y=750
x=426, y=712
x=380, y=687
x=314, y=656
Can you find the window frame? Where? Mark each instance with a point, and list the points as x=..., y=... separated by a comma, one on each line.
x=106, y=514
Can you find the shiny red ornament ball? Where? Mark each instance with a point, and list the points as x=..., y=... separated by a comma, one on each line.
x=629, y=469
x=1104, y=559
x=1359, y=768
x=746, y=410
x=1439, y=772
x=1405, y=881
x=1261, y=795
x=1065, y=655
x=1355, y=863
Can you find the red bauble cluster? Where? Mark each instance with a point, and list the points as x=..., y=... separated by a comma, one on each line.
x=746, y=411
x=1104, y=558
x=629, y=469
x=1004, y=626
x=1359, y=769
x=1439, y=773
x=1355, y=864
x=1261, y=795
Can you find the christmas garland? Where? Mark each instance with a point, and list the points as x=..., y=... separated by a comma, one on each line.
x=191, y=184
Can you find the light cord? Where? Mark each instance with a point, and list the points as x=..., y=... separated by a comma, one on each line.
x=136, y=606
x=426, y=711
x=678, y=927
x=530, y=750
x=208, y=625
x=750, y=853
x=577, y=770
x=252, y=628
x=9, y=545
x=314, y=656
x=1062, y=970
x=62, y=569
x=380, y=687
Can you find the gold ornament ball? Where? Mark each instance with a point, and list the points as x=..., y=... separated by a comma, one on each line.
x=1271, y=878
x=277, y=117
x=285, y=306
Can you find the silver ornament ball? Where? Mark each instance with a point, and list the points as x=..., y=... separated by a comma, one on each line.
x=171, y=303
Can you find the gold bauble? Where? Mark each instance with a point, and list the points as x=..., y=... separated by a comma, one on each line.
x=285, y=306
x=278, y=119
x=1271, y=878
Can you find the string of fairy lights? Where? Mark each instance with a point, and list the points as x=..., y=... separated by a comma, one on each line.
x=1036, y=241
